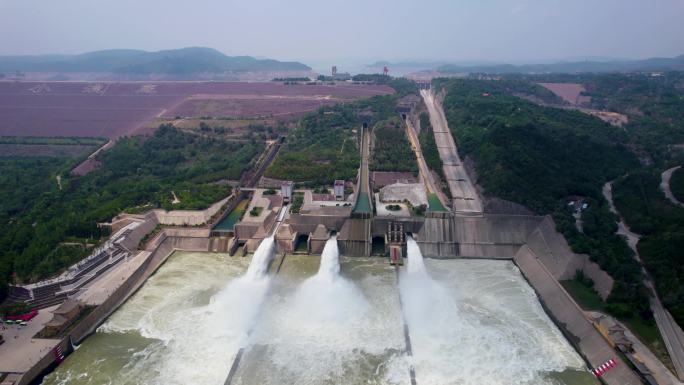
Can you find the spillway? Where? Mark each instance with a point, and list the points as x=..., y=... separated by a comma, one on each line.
x=341, y=325
x=478, y=322
x=333, y=320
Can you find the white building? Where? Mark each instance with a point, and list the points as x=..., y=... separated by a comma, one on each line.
x=286, y=189
x=338, y=187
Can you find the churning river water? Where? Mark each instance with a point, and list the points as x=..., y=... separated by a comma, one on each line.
x=328, y=321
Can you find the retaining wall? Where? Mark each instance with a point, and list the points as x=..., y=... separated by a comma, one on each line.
x=494, y=229
x=554, y=252
x=189, y=217
x=43, y=364
x=571, y=320
x=165, y=247
x=146, y=226
x=500, y=236
x=162, y=247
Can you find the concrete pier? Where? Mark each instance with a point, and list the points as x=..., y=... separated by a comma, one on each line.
x=407, y=336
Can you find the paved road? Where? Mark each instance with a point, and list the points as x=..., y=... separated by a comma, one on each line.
x=425, y=173
x=665, y=185
x=465, y=198
x=671, y=332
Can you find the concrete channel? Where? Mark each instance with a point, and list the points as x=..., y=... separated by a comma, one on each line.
x=466, y=200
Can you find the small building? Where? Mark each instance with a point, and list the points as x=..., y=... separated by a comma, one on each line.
x=342, y=76
x=286, y=189
x=407, y=103
x=64, y=316
x=338, y=188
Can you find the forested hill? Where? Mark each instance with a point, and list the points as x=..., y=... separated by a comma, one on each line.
x=531, y=154
x=652, y=64
x=542, y=157
x=136, y=62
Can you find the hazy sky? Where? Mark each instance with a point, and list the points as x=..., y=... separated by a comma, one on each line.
x=352, y=30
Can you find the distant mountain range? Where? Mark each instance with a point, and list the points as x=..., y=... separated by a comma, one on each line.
x=653, y=64
x=571, y=66
x=177, y=62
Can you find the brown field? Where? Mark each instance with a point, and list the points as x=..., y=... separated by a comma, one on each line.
x=614, y=118
x=570, y=92
x=69, y=150
x=383, y=178
x=125, y=108
x=249, y=106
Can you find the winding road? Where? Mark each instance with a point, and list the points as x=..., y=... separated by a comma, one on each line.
x=672, y=334
x=665, y=185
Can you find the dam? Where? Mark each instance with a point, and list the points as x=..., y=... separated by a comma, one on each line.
x=279, y=285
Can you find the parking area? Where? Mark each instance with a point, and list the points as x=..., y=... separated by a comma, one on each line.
x=20, y=350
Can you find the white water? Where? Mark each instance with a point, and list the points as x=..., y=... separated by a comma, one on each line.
x=260, y=261
x=471, y=322
x=478, y=322
x=329, y=270
x=327, y=329
x=172, y=331
x=240, y=300
x=326, y=299
x=416, y=266
x=191, y=328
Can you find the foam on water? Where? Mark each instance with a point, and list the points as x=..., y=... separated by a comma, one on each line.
x=327, y=301
x=329, y=270
x=416, y=266
x=327, y=330
x=478, y=322
x=192, y=331
x=261, y=260
x=470, y=322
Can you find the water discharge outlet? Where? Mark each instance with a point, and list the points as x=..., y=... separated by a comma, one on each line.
x=330, y=261
x=242, y=298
